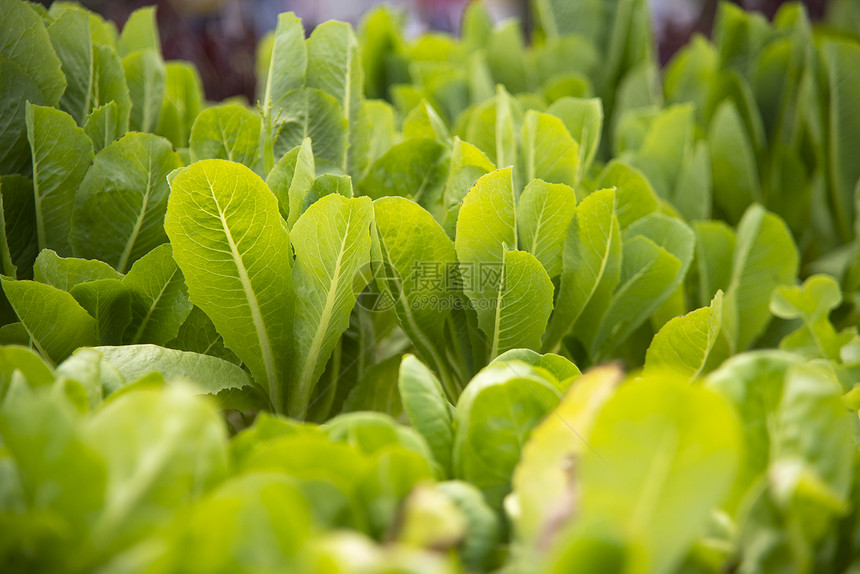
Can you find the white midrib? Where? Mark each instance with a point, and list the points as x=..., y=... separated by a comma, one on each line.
x=129, y=245
x=325, y=318
x=89, y=97
x=152, y=307
x=254, y=307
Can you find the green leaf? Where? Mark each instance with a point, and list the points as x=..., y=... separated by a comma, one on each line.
x=812, y=303
x=667, y=143
x=541, y=479
x=733, y=163
x=65, y=273
x=287, y=64
x=140, y=33
x=332, y=245
x=483, y=530
x=120, y=205
x=26, y=362
x=291, y=180
x=109, y=82
x=715, y=248
x=199, y=374
x=145, y=75
x=415, y=169
x=159, y=298
x=491, y=128
x=334, y=67
x=506, y=57
x=57, y=325
x=591, y=267
x=544, y=213
x=104, y=125
x=417, y=260
x=228, y=131
x=19, y=217
x=693, y=191
x=583, y=119
x=324, y=185
x=522, y=306
x=235, y=257
x=198, y=335
x=311, y=113
x=377, y=390
x=683, y=345
x=31, y=72
x=70, y=38
x=61, y=154
x=556, y=365
x=663, y=452
x=429, y=412
x=424, y=122
x=765, y=258
x=842, y=59
x=634, y=196
x=162, y=449
x=548, y=151
x=371, y=134
x=108, y=301
x=493, y=419
x=468, y=164
x=183, y=101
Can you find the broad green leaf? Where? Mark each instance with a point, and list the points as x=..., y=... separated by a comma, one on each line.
x=198, y=373
x=424, y=122
x=483, y=529
x=693, y=193
x=522, y=306
x=120, y=205
x=332, y=245
x=65, y=273
x=733, y=163
x=417, y=260
x=492, y=128
x=663, y=452
x=649, y=274
x=843, y=59
x=634, y=196
x=541, y=478
x=183, y=101
x=506, y=57
x=55, y=322
x=427, y=407
x=548, y=151
x=415, y=169
x=291, y=180
x=108, y=301
x=377, y=390
x=29, y=364
x=140, y=33
x=591, y=267
x=715, y=248
x=683, y=345
x=161, y=449
x=198, y=335
x=145, y=75
x=104, y=125
x=583, y=119
x=765, y=258
x=311, y=113
x=19, y=217
x=380, y=37
x=668, y=142
x=61, y=154
x=235, y=257
x=159, y=298
x=109, y=82
x=371, y=134
x=812, y=303
x=287, y=63
x=334, y=66
x=486, y=226
x=790, y=412
x=468, y=163
x=562, y=369
x=30, y=71
x=544, y=213
x=493, y=419
x=690, y=73
x=228, y=131
x=324, y=185
x=70, y=37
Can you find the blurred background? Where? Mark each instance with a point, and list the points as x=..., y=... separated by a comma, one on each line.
x=220, y=36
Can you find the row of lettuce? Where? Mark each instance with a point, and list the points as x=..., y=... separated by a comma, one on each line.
x=510, y=214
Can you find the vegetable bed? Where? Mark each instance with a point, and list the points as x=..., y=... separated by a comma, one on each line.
x=433, y=304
